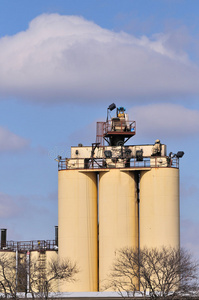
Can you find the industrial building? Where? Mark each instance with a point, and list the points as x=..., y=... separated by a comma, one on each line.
x=110, y=195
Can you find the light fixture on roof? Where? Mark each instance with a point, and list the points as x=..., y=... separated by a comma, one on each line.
x=58, y=158
x=112, y=106
x=180, y=154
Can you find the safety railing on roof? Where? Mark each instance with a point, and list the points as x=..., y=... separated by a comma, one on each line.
x=31, y=245
x=119, y=125
x=118, y=163
x=115, y=126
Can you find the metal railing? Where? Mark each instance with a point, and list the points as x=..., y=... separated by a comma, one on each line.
x=31, y=245
x=112, y=127
x=103, y=163
x=123, y=126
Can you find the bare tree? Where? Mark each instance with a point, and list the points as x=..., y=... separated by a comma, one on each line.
x=31, y=277
x=8, y=275
x=165, y=273
x=42, y=282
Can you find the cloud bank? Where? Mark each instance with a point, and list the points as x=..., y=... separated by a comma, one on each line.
x=11, y=142
x=165, y=120
x=64, y=58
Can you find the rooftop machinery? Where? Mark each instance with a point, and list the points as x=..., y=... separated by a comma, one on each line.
x=112, y=195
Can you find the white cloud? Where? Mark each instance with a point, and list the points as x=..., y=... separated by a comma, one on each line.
x=10, y=141
x=67, y=57
x=165, y=120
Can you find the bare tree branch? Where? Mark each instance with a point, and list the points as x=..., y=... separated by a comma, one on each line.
x=41, y=281
x=159, y=273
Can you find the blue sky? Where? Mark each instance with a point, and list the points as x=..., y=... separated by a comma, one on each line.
x=61, y=64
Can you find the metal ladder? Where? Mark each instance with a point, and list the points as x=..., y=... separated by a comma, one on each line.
x=42, y=269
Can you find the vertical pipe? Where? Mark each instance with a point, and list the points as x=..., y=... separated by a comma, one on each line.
x=137, y=179
x=16, y=269
x=56, y=235
x=3, y=238
x=28, y=270
x=98, y=231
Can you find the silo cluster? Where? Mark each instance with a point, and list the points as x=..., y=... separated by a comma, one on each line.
x=99, y=212
x=113, y=196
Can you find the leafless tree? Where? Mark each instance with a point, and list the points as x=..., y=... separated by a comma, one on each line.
x=165, y=273
x=22, y=277
x=42, y=282
x=8, y=275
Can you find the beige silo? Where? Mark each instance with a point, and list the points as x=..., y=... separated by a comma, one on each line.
x=159, y=208
x=77, y=212
x=118, y=220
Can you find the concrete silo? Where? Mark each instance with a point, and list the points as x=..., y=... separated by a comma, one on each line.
x=159, y=208
x=118, y=219
x=77, y=214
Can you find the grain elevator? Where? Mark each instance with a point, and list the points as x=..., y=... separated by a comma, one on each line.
x=111, y=195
